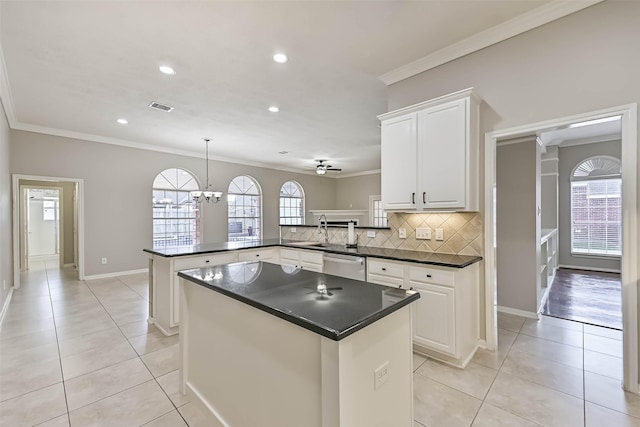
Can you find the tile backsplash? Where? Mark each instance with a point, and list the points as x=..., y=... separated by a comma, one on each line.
x=463, y=233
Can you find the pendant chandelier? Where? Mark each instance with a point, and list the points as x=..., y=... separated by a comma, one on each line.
x=207, y=195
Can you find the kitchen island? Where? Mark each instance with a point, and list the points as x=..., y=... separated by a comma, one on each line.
x=269, y=345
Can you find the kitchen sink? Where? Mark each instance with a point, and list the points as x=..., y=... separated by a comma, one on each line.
x=309, y=243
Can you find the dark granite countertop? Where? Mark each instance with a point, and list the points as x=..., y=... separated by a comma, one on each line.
x=429, y=258
x=291, y=294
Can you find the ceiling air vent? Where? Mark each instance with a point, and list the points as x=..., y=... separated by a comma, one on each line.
x=160, y=107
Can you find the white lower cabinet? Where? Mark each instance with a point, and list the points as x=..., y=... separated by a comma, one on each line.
x=267, y=255
x=166, y=291
x=445, y=318
x=434, y=318
x=306, y=260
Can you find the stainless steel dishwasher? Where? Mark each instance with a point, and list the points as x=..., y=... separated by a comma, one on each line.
x=349, y=266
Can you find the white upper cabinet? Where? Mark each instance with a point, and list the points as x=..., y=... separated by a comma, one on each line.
x=398, y=157
x=430, y=155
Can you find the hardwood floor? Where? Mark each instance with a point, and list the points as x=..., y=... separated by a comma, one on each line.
x=586, y=296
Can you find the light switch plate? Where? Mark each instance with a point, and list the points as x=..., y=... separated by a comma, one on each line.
x=380, y=375
x=293, y=229
x=371, y=233
x=423, y=233
x=402, y=233
x=439, y=234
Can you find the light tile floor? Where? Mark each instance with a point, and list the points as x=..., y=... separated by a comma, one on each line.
x=76, y=353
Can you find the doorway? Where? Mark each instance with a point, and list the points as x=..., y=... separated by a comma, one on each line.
x=48, y=221
x=43, y=229
x=629, y=267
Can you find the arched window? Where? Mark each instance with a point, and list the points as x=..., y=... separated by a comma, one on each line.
x=596, y=207
x=291, y=203
x=245, y=209
x=176, y=221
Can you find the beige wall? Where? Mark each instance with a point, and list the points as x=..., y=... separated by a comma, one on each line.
x=568, y=159
x=6, y=243
x=117, y=203
x=68, y=242
x=354, y=192
x=518, y=225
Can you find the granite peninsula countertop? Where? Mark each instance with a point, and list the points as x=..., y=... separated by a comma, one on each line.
x=429, y=258
x=292, y=295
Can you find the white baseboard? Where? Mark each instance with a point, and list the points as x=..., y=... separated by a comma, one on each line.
x=5, y=306
x=515, y=311
x=580, y=267
x=71, y=264
x=170, y=332
x=116, y=274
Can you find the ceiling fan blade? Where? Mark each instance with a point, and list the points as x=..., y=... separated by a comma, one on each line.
x=334, y=169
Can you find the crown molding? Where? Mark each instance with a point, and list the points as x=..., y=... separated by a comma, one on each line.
x=350, y=175
x=535, y=18
x=141, y=146
x=592, y=140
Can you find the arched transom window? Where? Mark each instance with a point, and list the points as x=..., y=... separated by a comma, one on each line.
x=176, y=221
x=245, y=209
x=291, y=203
x=596, y=207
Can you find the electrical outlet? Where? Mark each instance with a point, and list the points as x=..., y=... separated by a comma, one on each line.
x=371, y=233
x=381, y=375
x=104, y=260
x=423, y=233
x=439, y=234
x=293, y=229
x=4, y=284
x=402, y=233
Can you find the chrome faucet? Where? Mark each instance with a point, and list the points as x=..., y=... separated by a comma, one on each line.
x=326, y=231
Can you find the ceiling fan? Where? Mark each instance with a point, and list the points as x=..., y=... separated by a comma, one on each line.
x=322, y=168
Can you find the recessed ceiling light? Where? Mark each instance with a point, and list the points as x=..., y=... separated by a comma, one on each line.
x=123, y=121
x=274, y=109
x=280, y=58
x=165, y=69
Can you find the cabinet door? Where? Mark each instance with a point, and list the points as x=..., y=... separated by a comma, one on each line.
x=442, y=154
x=434, y=320
x=399, y=178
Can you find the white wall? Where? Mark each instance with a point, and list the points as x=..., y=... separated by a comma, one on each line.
x=118, y=192
x=568, y=159
x=6, y=233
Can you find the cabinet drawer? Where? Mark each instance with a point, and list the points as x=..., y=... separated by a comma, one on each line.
x=311, y=257
x=257, y=255
x=394, y=282
x=204, y=261
x=289, y=254
x=431, y=275
x=386, y=268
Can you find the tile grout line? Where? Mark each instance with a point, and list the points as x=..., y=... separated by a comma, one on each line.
x=64, y=388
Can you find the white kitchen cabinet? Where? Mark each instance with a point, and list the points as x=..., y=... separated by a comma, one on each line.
x=430, y=155
x=400, y=144
x=384, y=272
x=434, y=318
x=306, y=260
x=165, y=305
x=264, y=254
x=445, y=318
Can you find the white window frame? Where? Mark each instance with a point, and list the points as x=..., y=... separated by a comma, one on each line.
x=585, y=179
x=372, y=212
x=301, y=218
x=230, y=195
x=183, y=187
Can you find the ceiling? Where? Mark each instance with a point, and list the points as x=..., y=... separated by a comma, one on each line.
x=74, y=68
